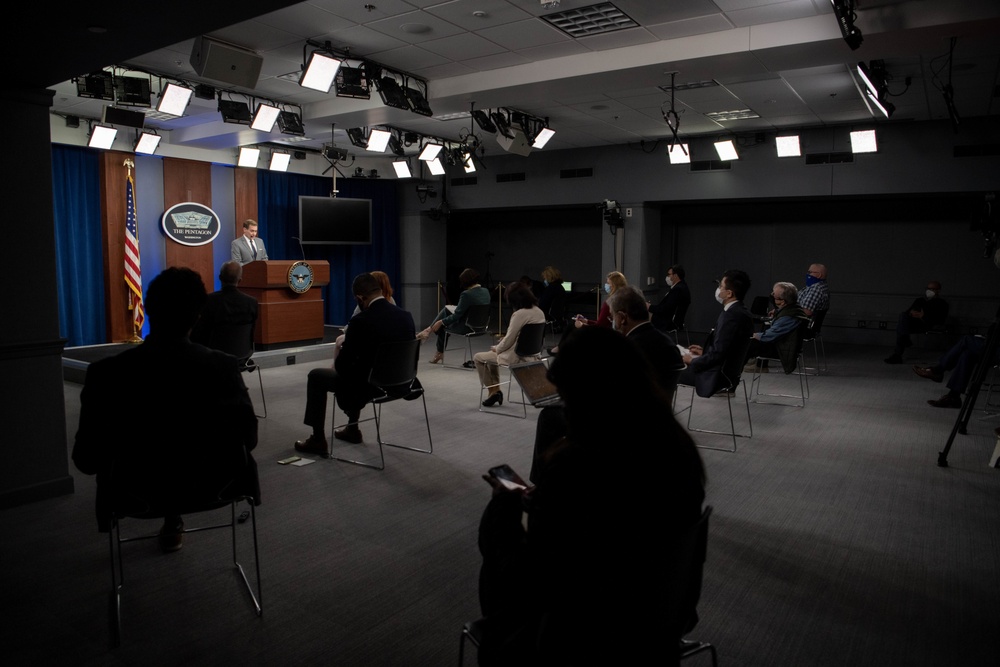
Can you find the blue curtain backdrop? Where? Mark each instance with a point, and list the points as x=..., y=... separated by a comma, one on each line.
x=79, y=259
x=278, y=213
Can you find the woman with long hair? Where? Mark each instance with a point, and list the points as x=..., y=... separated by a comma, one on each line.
x=526, y=311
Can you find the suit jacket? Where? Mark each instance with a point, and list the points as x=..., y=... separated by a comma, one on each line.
x=241, y=251
x=474, y=296
x=163, y=417
x=669, y=313
x=228, y=307
x=381, y=322
x=661, y=353
x=724, y=352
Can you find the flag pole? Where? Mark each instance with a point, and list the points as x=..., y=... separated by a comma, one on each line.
x=133, y=274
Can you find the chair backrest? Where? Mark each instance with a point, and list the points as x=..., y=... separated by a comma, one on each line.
x=680, y=314
x=234, y=339
x=668, y=380
x=684, y=577
x=557, y=309
x=759, y=306
x=817, y=323
x=732, y=367
x=530, y=340
x=477, y=317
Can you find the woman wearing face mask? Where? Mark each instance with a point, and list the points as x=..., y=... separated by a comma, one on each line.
x=614, y=282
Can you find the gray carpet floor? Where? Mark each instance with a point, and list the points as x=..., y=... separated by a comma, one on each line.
x=836, y=539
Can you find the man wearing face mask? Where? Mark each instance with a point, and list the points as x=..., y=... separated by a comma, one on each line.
x=779, y=341
x=815, y=297
x=720, y=362
x=924, y=314
x=378, y=322
x=668, y=315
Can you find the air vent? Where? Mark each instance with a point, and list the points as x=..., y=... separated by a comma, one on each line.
x=464, y=180
x=585, y=172
x=593, y=20
x=711, y=165
x=830, y=158
x=510, y=178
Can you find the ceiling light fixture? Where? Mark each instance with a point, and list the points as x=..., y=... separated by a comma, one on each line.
x=378, y=140
x=679, y=154
x=876, y=89
x=234, y=112
x=846, y=16
x=402, y=168
x=248, y=156
x=726, y=150
x=279, y=161
x=102, y=136
x=788, y=146
x=290, y=122
x=543, y=137
x=319, y=72
x=391, y=93
x=358, y=137
x=437, y=169
x=265, y=117
x=174, y=99
x=146, y=143
x=353, y=82
x=430, y=152
x=863, y=141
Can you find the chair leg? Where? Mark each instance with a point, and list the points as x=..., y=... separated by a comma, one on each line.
x=256, y=599
x=114, y=598
x=732, y=432
x=430, y=443
x=263, y=399
x=510, y=383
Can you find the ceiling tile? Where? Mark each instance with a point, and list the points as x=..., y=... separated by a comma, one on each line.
x=462, y=46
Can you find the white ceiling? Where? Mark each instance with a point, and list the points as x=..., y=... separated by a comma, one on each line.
x=784, y=59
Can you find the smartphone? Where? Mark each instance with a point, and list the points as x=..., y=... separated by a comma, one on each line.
x=508, y=477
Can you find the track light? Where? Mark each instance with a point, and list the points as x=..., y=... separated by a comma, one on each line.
x=248, y=156
x=319, y=72
x=102, y=136
x=378, y=140
x=279, y=161
x=265, y=117
x=174, y=99
x=147, y=143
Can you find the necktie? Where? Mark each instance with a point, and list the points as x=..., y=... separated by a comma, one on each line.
x=253, y=248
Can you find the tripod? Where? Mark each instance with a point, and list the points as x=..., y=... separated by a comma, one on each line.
x=986, y=360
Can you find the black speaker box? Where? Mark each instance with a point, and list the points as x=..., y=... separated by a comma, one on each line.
x=226, y=63
x=116, y=116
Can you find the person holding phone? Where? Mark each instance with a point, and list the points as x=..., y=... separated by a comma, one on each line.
x=605, y=514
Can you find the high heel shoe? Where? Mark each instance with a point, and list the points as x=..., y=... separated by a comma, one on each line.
x=437, y=358
x=424, y=334
x=496, y=398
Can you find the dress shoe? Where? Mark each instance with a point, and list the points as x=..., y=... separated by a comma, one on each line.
x=171, y=536
x=437, y=358
x=351, y=434
x=894, y=359
x=496, y=398
x=314, y=444
x=928, y=373
x=469, y=364
x=946, y=401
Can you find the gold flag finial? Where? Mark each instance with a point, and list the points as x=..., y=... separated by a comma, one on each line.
x=129, y=165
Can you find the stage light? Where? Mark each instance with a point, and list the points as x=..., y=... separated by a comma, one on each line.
x=174, y=99
x=97, y=85
x=391, y=93
x=353, y=82
x=234, y=112
x=147, y=143
x=430, y=152
x=726, y=150
x=875, y=86
x=436, y=167
x=396, y=147
x=679, y=154
x=319, y=72
x=863, y=141
x=418, y=102
x=102, y=136
x=502, y=124
x=279, y=161
x=290, y=122
x=483, y=121
x=402, y=168
x=265, y=117
x=248, y=156
x=468, y=163
x=132, y=91
x=542, y=138
x=788, y=146
x=378, y=140
x=844, y=11
x=357, y=137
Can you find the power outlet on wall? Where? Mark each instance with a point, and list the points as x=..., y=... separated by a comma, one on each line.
x=862, y=324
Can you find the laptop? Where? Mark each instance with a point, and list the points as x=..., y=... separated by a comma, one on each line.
x=533, y=378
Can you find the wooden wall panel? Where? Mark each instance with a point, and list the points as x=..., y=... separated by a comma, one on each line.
x=246, y=198
x=187, y=180
x=118, y=318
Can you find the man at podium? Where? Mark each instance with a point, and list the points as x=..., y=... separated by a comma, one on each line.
x=248, y=248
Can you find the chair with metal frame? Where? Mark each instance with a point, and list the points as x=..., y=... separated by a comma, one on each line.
x=393, y=377
x=530, y=341
x=556, y=314
x=224, y=474
x=815, y=336
x=237, y=340
x=678, y=322
x=728, y=390
x=798, y=369
x=475, y=323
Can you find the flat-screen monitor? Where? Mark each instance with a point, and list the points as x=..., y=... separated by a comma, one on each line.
x=335, y=221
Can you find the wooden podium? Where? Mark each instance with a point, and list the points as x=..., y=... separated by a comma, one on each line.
x=285, y=316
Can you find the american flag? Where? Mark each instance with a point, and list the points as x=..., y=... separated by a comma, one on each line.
x=133, y=275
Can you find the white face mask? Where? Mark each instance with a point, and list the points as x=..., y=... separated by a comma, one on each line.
x=930, y=294
x=607, y=288
x=718, y=294
x=670, y=280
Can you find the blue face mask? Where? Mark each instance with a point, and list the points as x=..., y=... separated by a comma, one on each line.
x=812, y=280
x=607, y=288
x=545, y=282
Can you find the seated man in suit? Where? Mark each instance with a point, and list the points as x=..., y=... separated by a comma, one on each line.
x=780, y=341
x=630, y=316
x=248, y=248
x=378, y=322
x=925, y=313
x=668, y=315
x=228, y=307
x=151, y=415
x=720, y=362
x=961, y=359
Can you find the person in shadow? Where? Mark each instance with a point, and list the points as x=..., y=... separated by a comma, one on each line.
x=603, y=520
x=451, y=319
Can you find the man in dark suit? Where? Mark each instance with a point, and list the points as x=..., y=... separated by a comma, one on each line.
x=630, y=316
x=226, y=308
x=378, y=322
x=720, y=362
x=153, y=415
x=668, y=315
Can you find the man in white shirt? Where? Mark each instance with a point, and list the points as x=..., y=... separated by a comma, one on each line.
x=248, y=248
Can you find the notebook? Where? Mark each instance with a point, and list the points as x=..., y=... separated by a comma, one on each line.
x=533, y=378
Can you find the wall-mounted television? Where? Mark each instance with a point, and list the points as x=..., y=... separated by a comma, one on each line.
x=335, y=221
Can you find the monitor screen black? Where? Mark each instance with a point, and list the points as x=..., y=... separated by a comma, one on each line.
x=330, y=221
